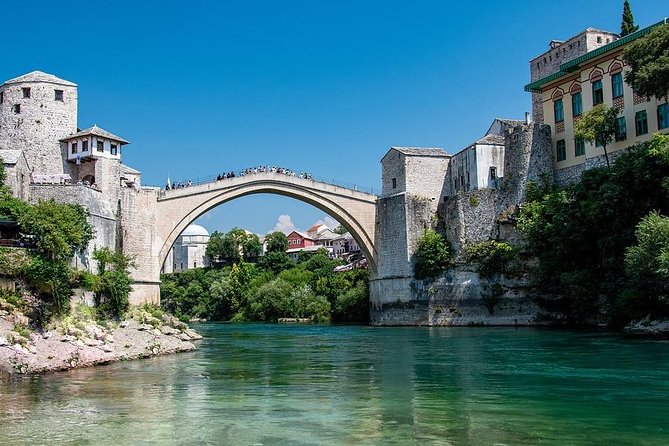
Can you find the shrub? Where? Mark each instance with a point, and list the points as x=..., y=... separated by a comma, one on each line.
x=491, y=257
x=433, y=255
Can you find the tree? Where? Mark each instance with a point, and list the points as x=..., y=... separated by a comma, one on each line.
x=433, y=255
x=233, y=245
x=276, y=242
x=340, y=229
x=648, y=58
x=627, y=26
x=113, y=283
x=598, y=126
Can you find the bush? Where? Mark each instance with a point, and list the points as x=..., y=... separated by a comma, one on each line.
x=491, y=257
x=52, y=280
x=433, y=255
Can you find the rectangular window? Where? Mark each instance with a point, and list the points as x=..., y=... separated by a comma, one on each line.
x=101, y=146
x=74, y=148
x=114, y=149
x=560, y=150
x=559, y=111
x=493, y=173
x=576, y=104
x=394, y=183
x=579, y=147
x=2, y=97
x=17, y=108
x=597, y=93
x=26, y=92
x=58, y=95
x=84, y=145
x=621, y=129
x=663, y=116
x=641, y=123
x=617, y=85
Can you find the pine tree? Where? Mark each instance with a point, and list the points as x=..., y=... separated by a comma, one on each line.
x=627, y=26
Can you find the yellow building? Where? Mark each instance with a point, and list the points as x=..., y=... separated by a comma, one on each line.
x=585, y=81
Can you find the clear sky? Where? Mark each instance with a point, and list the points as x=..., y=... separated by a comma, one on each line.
x=200, y=87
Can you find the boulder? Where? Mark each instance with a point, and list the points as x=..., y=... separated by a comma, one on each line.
x=3, y=341
x=192, y=334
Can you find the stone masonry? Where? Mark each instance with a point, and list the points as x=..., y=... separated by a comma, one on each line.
x=34, y=119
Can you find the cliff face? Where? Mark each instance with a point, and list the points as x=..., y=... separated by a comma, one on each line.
x=460, y=297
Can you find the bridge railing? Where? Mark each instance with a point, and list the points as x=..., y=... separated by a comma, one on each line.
x=176, y=185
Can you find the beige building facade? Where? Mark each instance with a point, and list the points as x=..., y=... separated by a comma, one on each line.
x=596, y=77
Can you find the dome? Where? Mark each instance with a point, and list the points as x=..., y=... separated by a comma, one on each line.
x=195, y=230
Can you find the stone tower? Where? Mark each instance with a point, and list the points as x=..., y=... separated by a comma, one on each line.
x=37, y=110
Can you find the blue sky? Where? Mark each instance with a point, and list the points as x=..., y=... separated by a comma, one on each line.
x=201, y=87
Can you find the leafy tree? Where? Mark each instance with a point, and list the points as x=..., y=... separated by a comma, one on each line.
x=580, y=235
x=52, y=279
x=627, y=25
x=598, y=126
x=276, y=262
x=340, y=229
x=233, y=245
x=60, y=229
x=491, y=257
x=648, y=260
x=433, y=255
x=648, y=58
x=276, y=241
x=113, y=284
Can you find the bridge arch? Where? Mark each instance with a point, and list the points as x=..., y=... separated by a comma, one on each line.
x=354, y=210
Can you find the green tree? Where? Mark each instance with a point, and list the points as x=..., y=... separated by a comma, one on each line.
x=598, y=126
x=60, y=229
x=491, y=256
x=276, y=262
x=433, y=255
x=276, y=241
x=648, y=260
x=113, y=284
x=340, y=229
x=234, y=245
x=648, y=58
x=627, y=25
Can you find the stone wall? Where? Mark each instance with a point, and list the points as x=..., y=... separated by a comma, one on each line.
x=102, y=216
x=17, y=178
x=528, y=157
x=460, y=298
x=469, y=217
x=426, y=177
x=400, y=222
x=41, y=123
x=137, y=238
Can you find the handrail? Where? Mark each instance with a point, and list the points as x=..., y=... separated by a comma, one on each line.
x=285, y=172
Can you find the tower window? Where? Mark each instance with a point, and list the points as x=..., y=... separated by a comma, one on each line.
x=84, y=145
x=26, y=92
x=74, y=148
x=17, y=108
x=394, y=183
x=101, y=146
x=114, y=149
x=2, y=97
x=58, y=95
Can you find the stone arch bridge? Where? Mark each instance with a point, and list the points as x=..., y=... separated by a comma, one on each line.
x=165, y=214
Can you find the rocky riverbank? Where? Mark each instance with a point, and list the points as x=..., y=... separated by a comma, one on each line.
x=79, y=340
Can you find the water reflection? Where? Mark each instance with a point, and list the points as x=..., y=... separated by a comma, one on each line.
x=268, y=384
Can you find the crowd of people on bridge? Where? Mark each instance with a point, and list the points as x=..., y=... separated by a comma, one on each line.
x=263, y=169
x=245, y=172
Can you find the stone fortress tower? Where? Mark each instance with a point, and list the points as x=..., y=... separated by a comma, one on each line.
x=37, y=110
x=46, y=156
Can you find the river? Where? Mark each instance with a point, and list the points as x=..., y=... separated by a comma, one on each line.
x=261, y=384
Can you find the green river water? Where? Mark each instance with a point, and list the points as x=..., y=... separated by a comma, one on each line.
x=263, y=384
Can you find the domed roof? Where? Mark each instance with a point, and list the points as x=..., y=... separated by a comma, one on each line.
x=195, y=230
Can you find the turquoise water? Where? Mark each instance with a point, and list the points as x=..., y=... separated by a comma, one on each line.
x=349, y=385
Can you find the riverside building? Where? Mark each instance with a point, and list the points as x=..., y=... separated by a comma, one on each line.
x=578, y=74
